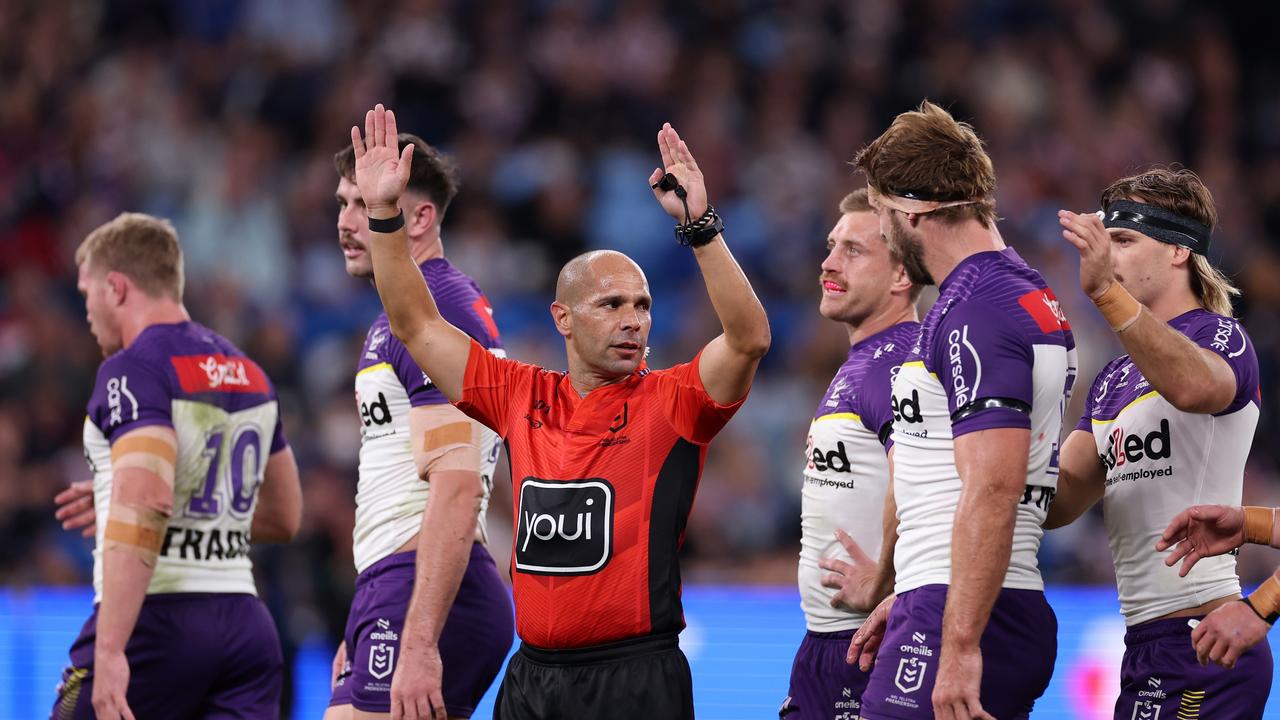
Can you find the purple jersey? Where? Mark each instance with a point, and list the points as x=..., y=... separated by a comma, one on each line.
x=995, y=351
x=225, y=413
x=1160, y=460
x=846, y=472
x=390, y=497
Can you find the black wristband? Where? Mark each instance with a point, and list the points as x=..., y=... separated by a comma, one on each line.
x=1270, y=619
x=387, y=225
x=701, y=231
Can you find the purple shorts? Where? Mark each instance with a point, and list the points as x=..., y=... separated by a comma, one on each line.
x=823, y=685
x=205, y=655
x=473, y=645
x=1160, y=677
x=1018, y=646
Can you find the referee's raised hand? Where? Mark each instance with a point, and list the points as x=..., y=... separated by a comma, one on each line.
x=678, y=161
x=382, y=169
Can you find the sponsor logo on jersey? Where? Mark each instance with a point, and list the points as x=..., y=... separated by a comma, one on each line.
x=1044, y=308
x=906, y=409
x=219, y=373
x=564, y=528
x=958, y=346
x=117, y=392
x=834, y=460
x=377, y=412
x=1124, y=448
x=1222, y=338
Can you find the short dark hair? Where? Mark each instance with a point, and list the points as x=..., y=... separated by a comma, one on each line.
x=433, y=173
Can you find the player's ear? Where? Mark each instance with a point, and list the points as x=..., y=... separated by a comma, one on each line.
x=117, y=287
x=901, y=280
x=1181, y=256
x=420, y=217
x=561, y=317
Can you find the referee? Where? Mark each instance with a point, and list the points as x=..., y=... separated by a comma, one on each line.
x=605, y=459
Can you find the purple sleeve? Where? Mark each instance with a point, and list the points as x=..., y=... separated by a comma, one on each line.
x=1225, y=337
x=421, y=390
x=278, y=440
x=984, y=362
x=130, y=394
x=874, y=401
x=1086, y=417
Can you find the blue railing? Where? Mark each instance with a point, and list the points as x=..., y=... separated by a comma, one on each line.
x=740, y=643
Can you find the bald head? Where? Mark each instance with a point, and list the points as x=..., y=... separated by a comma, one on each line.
x=594, y=271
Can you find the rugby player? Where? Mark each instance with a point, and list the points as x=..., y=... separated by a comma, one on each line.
x=1204, y=531
x=1165, y=425
x=430, y=624
x=189, y=460
x=867, y=287
x=969, y=633
x=605, y=458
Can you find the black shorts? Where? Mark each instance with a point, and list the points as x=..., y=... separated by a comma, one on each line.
x=641, y=678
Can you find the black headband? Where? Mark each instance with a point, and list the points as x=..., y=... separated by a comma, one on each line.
x=1158, y=224
x=926, y=195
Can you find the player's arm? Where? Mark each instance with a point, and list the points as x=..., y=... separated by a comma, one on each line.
x=728, y=362
x=862, y=583
x=447, y=453
x=1193, y=379
x=382, y=173
x=278, y=514
x=992, y=465
x=1081, y=480
x=142, y=476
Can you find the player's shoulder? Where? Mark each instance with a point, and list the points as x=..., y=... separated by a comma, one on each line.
x=461, y=301
x=1225, y=334
x=1001, y=292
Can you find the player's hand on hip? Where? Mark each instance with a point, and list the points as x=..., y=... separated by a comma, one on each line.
x=1202, y=531
x=865, y=642
x=854, y=581
x=110, y=685
x=957, y=687
x=677, y=160
x=339, y=664
x=382, y=169
x=416, y=685
x=75, y=508
x=1086, y=232
x=1226, y=633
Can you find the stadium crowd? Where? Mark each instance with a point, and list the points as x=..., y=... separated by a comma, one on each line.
x=549, y=109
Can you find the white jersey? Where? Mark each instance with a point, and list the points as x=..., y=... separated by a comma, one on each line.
x=995, y=352
x=1160, y=460
x=846, y=472
x=390, y=496
x=224, y=412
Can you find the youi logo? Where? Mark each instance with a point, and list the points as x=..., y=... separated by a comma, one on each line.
x=564, y=528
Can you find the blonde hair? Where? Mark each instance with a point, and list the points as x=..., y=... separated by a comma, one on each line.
x=928, y=151
x=1181, y=191
x=140, y=246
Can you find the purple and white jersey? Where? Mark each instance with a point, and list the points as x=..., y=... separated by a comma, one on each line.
x=846, y=472
x=225, y=413
x=995, y=351
x=390, y=497
x=1159, y=460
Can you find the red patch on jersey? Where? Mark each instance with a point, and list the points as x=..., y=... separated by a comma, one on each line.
x=482, y=308
x=219, y=373
x=1045, y=309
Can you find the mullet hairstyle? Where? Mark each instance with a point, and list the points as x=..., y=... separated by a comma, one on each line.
x=1183, y=192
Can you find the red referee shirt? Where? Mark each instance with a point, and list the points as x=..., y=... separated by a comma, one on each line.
x=603, y=485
